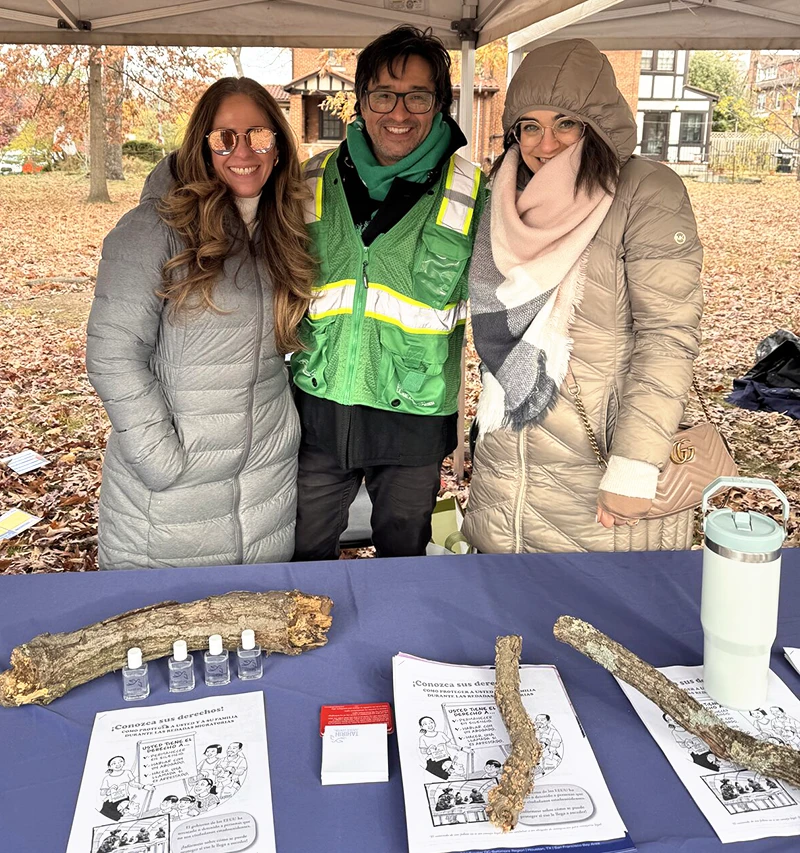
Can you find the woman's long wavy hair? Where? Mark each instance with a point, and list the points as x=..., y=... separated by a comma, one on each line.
x=202, y=210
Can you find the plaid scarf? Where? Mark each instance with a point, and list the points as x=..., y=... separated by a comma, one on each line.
x=525, y=282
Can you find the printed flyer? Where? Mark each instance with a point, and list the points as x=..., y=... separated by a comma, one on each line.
x=453, y=744
x=189, y=777
x=739, y=804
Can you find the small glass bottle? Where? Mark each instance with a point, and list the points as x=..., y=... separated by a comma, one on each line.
x=181, y=668
x=248, y=656
x=135, y=683
x=218, y=670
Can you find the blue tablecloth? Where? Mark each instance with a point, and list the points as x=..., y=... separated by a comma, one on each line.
x=445, y=608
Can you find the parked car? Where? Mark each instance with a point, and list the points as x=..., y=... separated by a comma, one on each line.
x=11, y=162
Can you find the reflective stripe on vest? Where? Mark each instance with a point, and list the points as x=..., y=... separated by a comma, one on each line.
x=313, y=170
x=387, y=306
x=334, y=298
x=460, y=193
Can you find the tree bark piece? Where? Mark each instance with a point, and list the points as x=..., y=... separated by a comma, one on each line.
x=507, y=798
x=50, y=665
x=768, y=759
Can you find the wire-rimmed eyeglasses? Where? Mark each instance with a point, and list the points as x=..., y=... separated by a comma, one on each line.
x=567, y=130
x=384, y=101
x=224, y=140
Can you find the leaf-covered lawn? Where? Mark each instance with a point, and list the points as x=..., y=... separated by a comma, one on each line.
x=49, y=245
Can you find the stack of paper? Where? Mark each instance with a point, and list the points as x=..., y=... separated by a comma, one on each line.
x=452, y=747
x=352, y=754
x=740, y=805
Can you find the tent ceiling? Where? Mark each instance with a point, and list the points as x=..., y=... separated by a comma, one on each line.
x=679, y=24
x=283, y=23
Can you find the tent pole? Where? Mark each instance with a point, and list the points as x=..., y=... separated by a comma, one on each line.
x=465, y=119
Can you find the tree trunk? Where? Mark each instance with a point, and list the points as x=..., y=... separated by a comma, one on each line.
x=98, y=188
x=236, y=55
x=114, y=170
x=50, y=665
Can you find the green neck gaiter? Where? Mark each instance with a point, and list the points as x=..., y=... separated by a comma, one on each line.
x=415, y=166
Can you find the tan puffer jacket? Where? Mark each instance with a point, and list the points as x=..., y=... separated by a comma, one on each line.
x=636, y=334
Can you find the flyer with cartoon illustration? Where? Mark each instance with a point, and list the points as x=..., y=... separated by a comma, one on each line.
x=739, y=804
x=190, y=777
x=453, y=743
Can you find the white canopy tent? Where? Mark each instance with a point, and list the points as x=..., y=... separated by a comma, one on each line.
x=671, y=24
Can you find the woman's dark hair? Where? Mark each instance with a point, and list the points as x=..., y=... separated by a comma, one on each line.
x=599, y=167
x=391, y=51
x=215, y=746
x=114, y=758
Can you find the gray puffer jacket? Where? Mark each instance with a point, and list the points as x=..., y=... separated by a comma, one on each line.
x=201, y=464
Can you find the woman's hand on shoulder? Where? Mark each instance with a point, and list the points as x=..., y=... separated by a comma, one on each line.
x=614, y=510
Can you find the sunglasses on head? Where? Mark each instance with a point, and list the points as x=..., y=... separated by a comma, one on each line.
x=224, y=141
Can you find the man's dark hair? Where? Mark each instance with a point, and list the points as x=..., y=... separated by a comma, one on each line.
x=391, y=51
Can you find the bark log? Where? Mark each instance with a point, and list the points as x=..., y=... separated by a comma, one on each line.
x=768, y=759
x=507, y=798
x=50, y=665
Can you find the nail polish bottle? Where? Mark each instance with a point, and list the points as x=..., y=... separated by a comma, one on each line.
x=249, y=658
x=135, y=682
x=218, y=669
x=181, y=668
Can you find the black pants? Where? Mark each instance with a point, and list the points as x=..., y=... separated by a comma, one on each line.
x=403, y=499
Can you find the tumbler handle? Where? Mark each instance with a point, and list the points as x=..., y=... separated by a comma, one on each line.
x=746, y=483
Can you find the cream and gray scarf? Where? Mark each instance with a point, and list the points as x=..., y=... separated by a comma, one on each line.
x=525, y=282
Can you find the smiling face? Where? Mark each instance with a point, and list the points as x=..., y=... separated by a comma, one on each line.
x=536, y=155
x=396, y=134
x=244, y=171
x=116, y=764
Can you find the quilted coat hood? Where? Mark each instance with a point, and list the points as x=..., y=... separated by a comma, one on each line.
x=573, y=77
x=159, y=181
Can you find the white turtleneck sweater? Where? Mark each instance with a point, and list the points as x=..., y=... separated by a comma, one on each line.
x=248, y=207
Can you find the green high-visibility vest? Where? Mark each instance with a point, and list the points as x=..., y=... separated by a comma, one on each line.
x=386, y=326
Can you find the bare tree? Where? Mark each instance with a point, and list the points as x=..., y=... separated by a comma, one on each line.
x=236, y=55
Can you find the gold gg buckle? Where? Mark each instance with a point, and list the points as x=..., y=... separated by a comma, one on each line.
x=682, y=451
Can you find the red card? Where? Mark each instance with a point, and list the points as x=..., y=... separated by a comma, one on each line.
x=354, y=715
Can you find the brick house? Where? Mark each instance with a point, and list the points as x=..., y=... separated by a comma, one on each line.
x=774, y=80
x=317, y=74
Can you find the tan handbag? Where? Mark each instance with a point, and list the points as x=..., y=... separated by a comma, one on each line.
x=699, y=455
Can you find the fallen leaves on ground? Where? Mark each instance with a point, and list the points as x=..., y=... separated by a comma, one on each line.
x=49, y=247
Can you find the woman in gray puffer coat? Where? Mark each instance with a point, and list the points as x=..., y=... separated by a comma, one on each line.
x=199, y=293
x=585, y=274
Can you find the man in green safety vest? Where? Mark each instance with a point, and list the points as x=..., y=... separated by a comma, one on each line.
x=392, y=217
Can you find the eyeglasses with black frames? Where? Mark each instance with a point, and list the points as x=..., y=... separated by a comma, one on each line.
x=224, y=140
x=417, y=103
x=566, y=130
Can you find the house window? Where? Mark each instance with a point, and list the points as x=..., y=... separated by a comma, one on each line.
x=647, y=60
x=691, y=128
x=665, y=60
x=762, y=101
x=330, y=126
x=454, y=109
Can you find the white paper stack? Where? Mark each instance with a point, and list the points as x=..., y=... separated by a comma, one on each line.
x=793, y=656
x=352, y=754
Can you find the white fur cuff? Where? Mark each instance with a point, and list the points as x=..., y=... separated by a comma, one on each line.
x=630, y=478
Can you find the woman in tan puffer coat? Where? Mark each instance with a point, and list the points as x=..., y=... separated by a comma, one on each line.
x=586, y=270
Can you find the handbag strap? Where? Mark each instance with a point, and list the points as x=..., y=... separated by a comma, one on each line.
x=575, y=390
x=702, y=400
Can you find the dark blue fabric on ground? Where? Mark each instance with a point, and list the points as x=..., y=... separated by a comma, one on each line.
x=772, y=384
x=445, y=608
